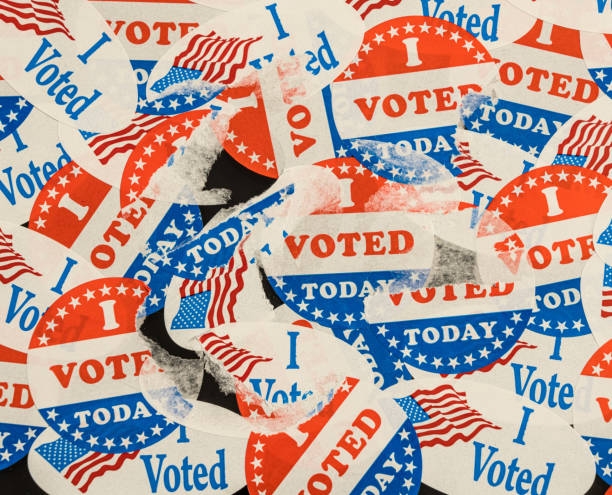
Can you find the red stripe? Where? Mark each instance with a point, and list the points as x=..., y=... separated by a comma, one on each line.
x=73, y=467
x=108, y=467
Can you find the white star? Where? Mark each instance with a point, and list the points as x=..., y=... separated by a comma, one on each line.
x=469, y=359
x=333, y=317
x=125, y=442
x=156, y=430
x=92, y=440
x=63, y=426
x=422, y=358
x=77, y=435
x=393, y=342
x=366, y=48
x=137, y=291
x=141, y=437
x=254, y=157
x=259, y=446
x=303, y=306
x=379, y=38
x=105, y=290
x=19, y=445
x=40, y=223
x=31, y=433
x=108, y=443
x=425, y=27
x=393, y=32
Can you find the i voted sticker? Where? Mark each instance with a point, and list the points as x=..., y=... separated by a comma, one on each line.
x=545, y=218
x=398, y=133
x=375, y=234
x=186, y=460
x=63, y=58
x=84, y=360
x=20, y=422
x=35, y=270
x=451, y=329
x=542, y=81
x=84, y=214
x=592, y=419
x=596, y=292
x=479, y=439
x=357, y=443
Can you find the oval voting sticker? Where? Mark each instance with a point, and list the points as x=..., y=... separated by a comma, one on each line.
x=395, y=107
x=541, y=83
x=186, y=460
x=30, y=152
x=65, y=60
x=357, y=443
x=83, y=365
x=596, y=292
x=597, y=54
x=547, y=217
x=531, y=371
x=20, y=422
x=585, y=16
x=479, y=439
x=257, y=37
x=455, y=328
x=592, y=418
x=35, y=271
x=84, y=214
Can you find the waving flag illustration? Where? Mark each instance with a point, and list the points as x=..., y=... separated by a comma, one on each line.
x=364, y=7
x=210, y=58
x=210, y=302
x=235, y=360
x=42, y=17
x=81, y=466
x=442, y=416
x=588, y=145
x=12, y=264
x=472, y=171
x=106, y=146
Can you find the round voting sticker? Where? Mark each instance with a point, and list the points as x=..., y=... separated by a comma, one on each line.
x=83, y=365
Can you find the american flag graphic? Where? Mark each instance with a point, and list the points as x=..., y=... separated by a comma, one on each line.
x=364, y=7
x=588, y=145
x=12, y=264
x=442, y=416
x=210, y=302
x=606, y=236
x=42, y=17
x=80, y=466
x=236, y=361
x=606, y=293
x=105, y=146
x=472, y=171
x=210, y=58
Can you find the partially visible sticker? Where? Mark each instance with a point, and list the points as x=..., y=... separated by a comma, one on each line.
x=84, y=360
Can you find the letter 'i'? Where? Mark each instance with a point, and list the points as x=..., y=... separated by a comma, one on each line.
x=277, y=22
x=108, y=312
x=292, y=351
x=83, y=57
x=521, y=433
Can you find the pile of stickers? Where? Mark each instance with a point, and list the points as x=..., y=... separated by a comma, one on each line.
x=306, y=247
